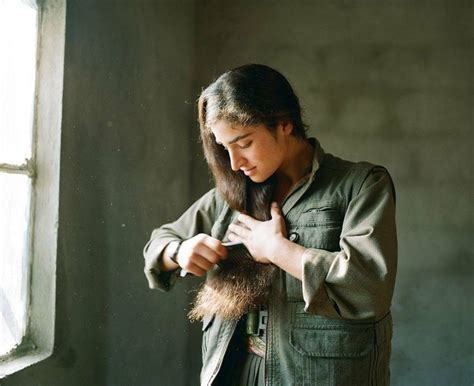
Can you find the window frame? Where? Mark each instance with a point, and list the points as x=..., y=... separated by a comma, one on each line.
x=38, y=341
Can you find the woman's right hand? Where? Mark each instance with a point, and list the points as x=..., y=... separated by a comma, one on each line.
x=200, y=253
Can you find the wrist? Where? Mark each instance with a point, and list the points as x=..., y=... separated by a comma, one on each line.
x=276, y=247
x=286, y=251
x=171, y=253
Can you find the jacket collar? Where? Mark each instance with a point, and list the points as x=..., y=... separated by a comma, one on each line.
x=298, y=191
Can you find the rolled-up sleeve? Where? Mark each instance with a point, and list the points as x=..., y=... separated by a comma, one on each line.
x=358, y=280
x=199, y=218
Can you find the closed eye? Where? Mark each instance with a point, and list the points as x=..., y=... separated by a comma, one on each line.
x=246, y=145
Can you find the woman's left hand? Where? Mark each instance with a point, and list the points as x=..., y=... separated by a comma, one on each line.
x=260, y=237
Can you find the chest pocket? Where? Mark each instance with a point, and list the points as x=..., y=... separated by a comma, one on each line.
x=320, y=227
x=317, y=226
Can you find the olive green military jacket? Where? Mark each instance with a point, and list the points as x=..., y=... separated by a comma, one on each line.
x=334, y=326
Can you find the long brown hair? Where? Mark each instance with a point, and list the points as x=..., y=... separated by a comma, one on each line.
x=247, y=95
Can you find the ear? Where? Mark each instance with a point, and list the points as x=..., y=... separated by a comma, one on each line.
x=285, y=127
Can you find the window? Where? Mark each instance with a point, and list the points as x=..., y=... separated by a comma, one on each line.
x=31, y=74
x=18, y=41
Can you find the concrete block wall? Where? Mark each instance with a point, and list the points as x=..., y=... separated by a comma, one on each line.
x=125, y=169
x=389, y=82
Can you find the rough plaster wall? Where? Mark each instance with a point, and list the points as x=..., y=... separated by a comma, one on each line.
x=389, y=82
x=128, y=71
x=382, y=81
x=147, y=179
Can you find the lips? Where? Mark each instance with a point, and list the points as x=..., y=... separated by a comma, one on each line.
x=249, y=172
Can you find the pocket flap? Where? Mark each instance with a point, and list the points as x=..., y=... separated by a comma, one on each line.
x=320, y=215
x=331, y=342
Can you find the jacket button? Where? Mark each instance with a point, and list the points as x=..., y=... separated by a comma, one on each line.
x=294, y=236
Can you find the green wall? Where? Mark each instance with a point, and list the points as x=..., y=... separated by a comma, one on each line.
x=125, y=167
x=385, y=81
x=388, y=82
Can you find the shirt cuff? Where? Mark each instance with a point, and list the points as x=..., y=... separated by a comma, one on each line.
x=315, y=266
x=157, y=279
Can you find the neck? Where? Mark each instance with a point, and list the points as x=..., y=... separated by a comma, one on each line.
x=297, y=165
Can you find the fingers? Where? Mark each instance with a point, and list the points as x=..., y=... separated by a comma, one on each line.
x=202, y=262
x=277, y=216
x=200, y=253
x=239, y=230
x=275, y=210
x=197, y=265
x=234, y=237
x=250, y=222
x=216, y=246
x=195, y=270
x=208, y=254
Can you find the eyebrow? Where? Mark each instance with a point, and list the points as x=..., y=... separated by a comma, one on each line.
x=236, y=139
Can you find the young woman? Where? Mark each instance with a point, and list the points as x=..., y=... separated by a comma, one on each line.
x=309, y=302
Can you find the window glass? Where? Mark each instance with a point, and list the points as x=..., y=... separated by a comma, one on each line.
x=18, y=41
x=14, y=209
x=18, y=38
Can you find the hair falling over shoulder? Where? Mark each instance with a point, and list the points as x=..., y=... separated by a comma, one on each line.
x=248, y=95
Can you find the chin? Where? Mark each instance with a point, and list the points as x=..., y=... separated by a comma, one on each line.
x=258, y=179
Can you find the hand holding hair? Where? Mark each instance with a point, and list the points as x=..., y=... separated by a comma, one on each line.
x=200, y=253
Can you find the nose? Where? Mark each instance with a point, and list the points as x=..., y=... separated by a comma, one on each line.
x=236, y=160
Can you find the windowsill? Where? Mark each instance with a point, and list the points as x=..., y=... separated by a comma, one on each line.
x=25, y=359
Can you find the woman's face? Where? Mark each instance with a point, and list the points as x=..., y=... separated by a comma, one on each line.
x=254, y=150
